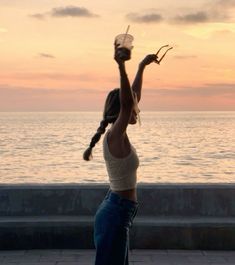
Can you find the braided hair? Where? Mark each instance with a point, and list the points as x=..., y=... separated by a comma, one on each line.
x=110, y=114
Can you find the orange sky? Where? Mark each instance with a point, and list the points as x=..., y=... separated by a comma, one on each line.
x=58, y=55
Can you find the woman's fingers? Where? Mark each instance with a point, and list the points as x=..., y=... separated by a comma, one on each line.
x=149, y=59
x=153, y=57
x=116, y=45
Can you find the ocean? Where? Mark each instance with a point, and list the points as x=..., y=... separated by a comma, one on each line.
x=173, y=147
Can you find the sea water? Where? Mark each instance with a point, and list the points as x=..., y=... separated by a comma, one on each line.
x=182, y=147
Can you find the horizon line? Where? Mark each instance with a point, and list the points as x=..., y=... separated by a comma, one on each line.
x=2, y=111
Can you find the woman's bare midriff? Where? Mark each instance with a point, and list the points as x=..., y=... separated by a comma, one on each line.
x=128, y=194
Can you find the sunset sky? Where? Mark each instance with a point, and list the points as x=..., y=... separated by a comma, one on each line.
x=58, y=55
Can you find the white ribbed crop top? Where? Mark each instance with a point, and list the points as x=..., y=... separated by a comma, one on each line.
x=122, y=172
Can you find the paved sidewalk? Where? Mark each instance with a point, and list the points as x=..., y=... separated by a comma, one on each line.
x=137, y=257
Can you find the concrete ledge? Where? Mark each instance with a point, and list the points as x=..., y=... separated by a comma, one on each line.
x=139, y=221
x=148, y=233
x=178, y=216
x=83, y=199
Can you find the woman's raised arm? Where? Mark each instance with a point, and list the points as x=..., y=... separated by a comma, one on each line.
x=137, y=84
x=126, y=100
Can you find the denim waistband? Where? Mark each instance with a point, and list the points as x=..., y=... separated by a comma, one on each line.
x=116, y=198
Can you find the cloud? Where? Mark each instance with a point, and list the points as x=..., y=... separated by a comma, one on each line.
x=224, y=3
x=72, y=11
x=220, y=10
x=38, y=16
x=82, y=77
x=207, y=97
x=8, y=91
x=46, y=55
x=212, y=11
x=66, y=11
x=183, y=57
x=14, y=98
x=198, y=17
x=208, y=90
x=144, y=18
x=188, y=18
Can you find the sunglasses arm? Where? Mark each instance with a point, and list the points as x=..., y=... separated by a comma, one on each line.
x=158, y=61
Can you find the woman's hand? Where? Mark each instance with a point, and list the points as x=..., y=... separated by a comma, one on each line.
x=117, y=55
x=148, y=60
x=121, y=54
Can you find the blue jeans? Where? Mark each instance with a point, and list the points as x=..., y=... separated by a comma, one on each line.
x=113, y=219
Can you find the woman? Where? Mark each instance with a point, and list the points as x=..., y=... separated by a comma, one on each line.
x=116, y=213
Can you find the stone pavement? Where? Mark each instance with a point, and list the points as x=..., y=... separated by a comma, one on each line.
x=136, y=257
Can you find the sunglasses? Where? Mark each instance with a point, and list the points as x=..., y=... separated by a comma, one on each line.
x=164, y=46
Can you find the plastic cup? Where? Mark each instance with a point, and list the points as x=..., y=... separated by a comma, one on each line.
x=124, y=42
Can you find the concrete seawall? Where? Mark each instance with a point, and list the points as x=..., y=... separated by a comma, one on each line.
x=170, y=216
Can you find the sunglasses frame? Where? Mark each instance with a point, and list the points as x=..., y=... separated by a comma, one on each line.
x=164, y=54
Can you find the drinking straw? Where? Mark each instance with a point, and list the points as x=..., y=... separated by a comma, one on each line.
x=125, y=34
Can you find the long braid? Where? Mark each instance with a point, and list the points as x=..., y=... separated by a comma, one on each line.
x=87, y=155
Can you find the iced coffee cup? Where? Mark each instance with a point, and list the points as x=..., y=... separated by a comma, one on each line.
x=124, y=42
